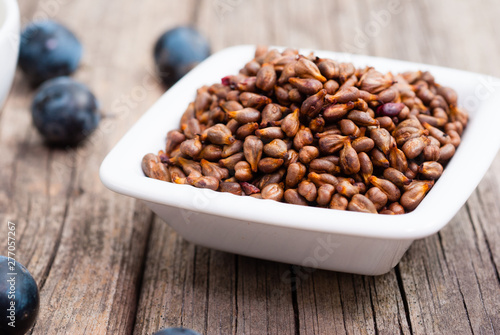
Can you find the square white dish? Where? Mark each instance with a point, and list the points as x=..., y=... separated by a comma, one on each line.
x=315, y=237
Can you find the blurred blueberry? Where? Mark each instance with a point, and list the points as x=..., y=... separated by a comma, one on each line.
x=64, y=111
x=48, y=50
x=19, y=299
x=176, y=331
x=179, y=50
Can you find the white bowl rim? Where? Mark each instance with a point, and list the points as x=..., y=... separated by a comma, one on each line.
x=11, y=16
x=408, y=226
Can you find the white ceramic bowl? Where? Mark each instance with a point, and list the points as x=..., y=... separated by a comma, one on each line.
x=315, y=237
x=9, y=45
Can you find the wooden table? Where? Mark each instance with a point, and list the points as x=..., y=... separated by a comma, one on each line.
x=106, y=265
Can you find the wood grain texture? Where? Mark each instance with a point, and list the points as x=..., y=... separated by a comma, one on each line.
x=106, y=265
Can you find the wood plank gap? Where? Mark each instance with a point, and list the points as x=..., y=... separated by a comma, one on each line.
x=207, y=293
x=295, y=303
x=402, y=291
x=236, y=275
x=486, y=241
x=142, y=270
x=57, y=243
x=373, y=307
x=463, y=302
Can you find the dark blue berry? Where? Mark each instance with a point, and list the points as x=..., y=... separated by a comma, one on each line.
x=176, y=331
x=48, y=50
x=179, y=50
x=64, y=111
x=19, y=299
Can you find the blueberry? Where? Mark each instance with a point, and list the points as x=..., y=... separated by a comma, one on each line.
x=179, y=50
x=64, y=111
x=176, y=331
x=48, y=50
x=19, y=299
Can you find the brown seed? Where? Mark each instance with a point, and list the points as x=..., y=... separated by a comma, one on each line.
x=396, y=177
x=295, y=173
x=272, y=112
x=202, y=101
x=246, y=130
x=174, y=138
x=246, y=85
x=291, y=123
x=329, y=68
x=431, y=153
x=412, y=171
x=378, y=158
x=338, y=202
x=308, y=190
x=249, y=188
x=442, y=137
x=276, y=148
x=446, y=152
x=337, y=111
x=252, y=67
x=213, y=170
x=396, y=208
x=386, y=212
x=211, y=152
x=266, y=77
x=187, y=165
x=252, y=148
x=360, y=203
x=253, y=100
x=377, y=197
x=302, y=138
x=448, y=94
x=374, y=81
x=304, y=68
x=287, y=72
x=231, y=149
x=308, y=153
x=454, y=137
x=361, y=118
x=270, y=133
x=382, y=139
x=271, y=178
x=291, y=156
x=313, y=104
x=330, y=144
x=230, y=162
x=391, y=190
x=177, y=175
x=154, y=168
x=205, y=182
x=243, y=171
x=291, y=196
x=347, y=127
x=397, y=158
x=273, y=192
x=414, y=194
x=245, y=115
x=218, y=134
x=270, y=164
x=331, y=87
x=414, y=147
x=365, y=166
x=404, y=134
x=349, y=161
x=187, y=115
x=231, y=106
x=430, y=170
x=325, y=193
x=306, y=86
x=322, y=179
x=191, y=147
x=345, y=188
x=322, y=165
x=230, y=187
x=363, y=144
x=317, y=124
